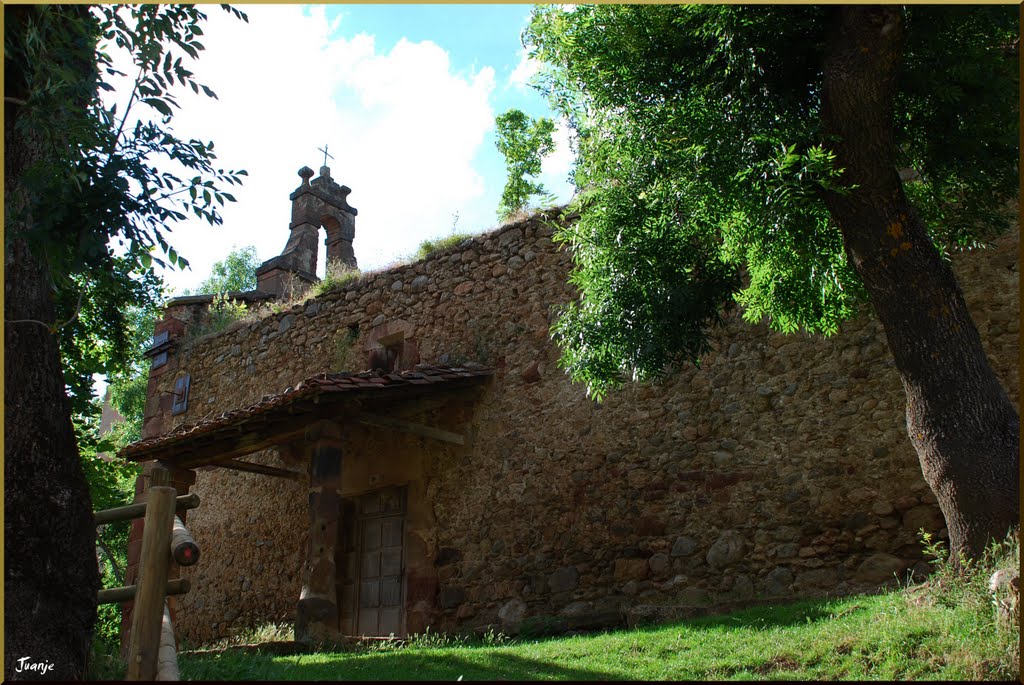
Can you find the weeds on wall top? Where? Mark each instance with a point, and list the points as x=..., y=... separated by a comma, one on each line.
x=222, y=312
x=429, y=247
x=336, y=276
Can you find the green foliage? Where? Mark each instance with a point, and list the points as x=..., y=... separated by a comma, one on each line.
x=700, y=158
x=650, y=299
x=222, y=312
x=107, y=631
x=336, y=276
x=959, y=127
x=111, y=480
x=111, y=484
x=524, y=142
x=429, y=247
x=102, y=333
x=343, y=342
x=964, y=581
x=260, y=634
x=128, y=397
x=109, y=175
x=105, y=663
x=234, y=273
x=128, y=383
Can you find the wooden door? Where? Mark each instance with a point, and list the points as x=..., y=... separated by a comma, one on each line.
x=374, y=603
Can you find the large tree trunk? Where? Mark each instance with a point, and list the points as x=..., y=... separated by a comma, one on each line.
x=51, y=576
x=960, y=420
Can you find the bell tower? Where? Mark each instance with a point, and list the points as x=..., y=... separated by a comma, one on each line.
x=316, y=203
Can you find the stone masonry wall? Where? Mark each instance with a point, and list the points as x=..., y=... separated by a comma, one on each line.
x=780, y=468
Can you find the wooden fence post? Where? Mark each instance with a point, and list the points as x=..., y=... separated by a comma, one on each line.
x=154, y=563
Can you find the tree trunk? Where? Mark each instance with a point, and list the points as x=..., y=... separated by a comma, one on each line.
x=51, y=576
x=960, y=420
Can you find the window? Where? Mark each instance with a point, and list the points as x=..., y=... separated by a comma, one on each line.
x=390, y=347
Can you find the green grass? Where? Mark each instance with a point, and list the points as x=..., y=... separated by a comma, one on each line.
x=886, y=637
x=945, y=629
x=336, y=275
x=428, y=247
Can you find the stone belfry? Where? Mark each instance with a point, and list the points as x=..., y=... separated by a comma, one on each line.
x=316, y=203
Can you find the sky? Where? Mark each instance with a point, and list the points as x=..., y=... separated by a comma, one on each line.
x=403, y=96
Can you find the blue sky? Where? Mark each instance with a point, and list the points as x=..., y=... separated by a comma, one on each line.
x=404, y=95
x=479, y=35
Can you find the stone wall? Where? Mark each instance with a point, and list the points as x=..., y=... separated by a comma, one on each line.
x=780, y=468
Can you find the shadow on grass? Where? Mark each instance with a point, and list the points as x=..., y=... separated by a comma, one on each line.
x=493, y=664
x=771, y=615
x=488, y=662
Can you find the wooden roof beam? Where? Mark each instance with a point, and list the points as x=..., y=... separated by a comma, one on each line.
x=248, y=466
x=411, y=427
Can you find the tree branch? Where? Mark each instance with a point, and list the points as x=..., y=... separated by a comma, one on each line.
x=53, y=328
x=118, y=576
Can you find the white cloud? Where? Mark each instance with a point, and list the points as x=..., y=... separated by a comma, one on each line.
x=403, y=129
x=524, y=71
x=556, y=166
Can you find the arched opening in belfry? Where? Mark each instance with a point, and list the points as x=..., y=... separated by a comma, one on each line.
x=330, y=228
x=321, y=254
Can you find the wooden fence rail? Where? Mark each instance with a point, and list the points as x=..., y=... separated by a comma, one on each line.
x=138, y=510
x=116, y=595
x=183, y=548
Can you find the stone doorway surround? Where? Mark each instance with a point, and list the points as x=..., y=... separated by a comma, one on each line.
x=311, y=419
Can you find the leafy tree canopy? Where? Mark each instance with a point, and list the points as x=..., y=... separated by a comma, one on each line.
x=524, y=142
x=118, y=176
x=236, y=272
x=702, y=165
x=91, y=189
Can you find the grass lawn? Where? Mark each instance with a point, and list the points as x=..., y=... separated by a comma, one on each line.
x=946, y=629
x=886, y=637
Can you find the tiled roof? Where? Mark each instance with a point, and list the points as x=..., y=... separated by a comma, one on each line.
x=317, y=388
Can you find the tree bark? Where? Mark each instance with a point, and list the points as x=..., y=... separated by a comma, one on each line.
x=960, y=421
x=51, y=577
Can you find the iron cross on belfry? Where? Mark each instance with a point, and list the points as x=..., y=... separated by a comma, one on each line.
x=324, y=150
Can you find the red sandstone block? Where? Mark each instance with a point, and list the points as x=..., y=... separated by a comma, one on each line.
x=152, y=425
x=173, y=327
x=171, y=365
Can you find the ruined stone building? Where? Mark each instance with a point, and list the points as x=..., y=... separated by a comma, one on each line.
x=466, y=483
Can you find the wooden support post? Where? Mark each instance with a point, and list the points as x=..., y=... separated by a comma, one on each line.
x=154, y=562
x=183, y=548
x=167, y=663
x=160, y=475
x=316, y=617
